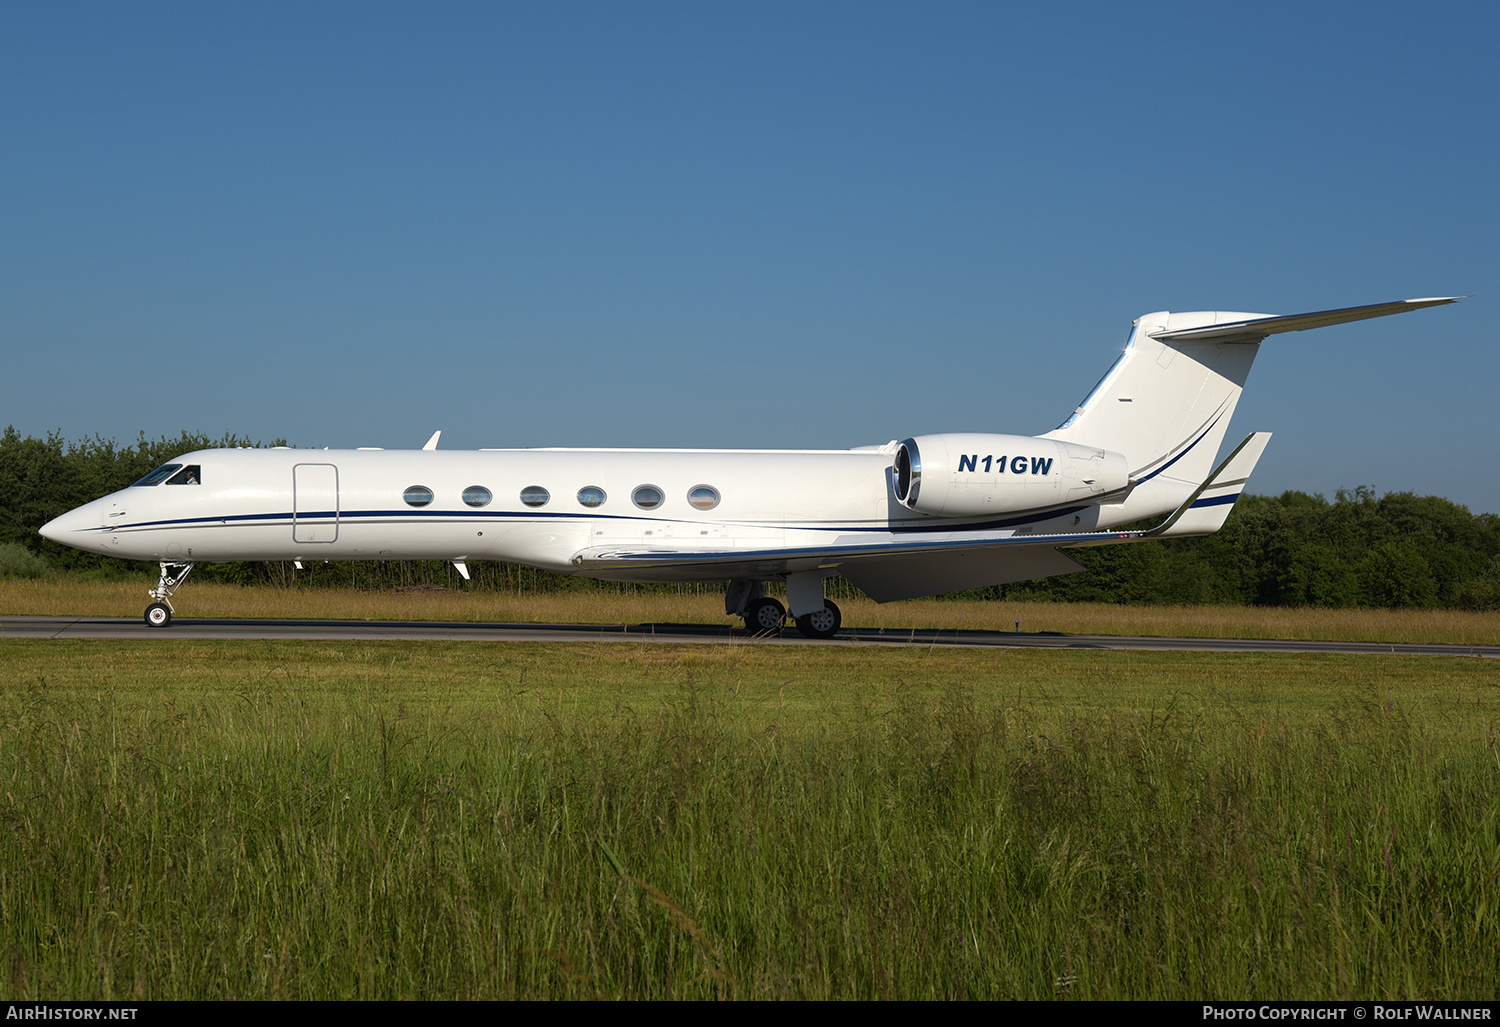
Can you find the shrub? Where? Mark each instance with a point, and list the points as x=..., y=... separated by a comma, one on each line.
x=16, y=561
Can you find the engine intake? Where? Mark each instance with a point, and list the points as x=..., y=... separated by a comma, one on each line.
x=969, y=474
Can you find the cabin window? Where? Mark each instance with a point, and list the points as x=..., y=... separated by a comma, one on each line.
x=477, y=495
x=703, y=497
x=189, y=475
x=535, y=495
x=647, y=497
x=591, y=496
x=159, y=475
x=417, y=495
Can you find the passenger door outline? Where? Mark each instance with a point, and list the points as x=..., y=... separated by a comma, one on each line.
x=315, y=503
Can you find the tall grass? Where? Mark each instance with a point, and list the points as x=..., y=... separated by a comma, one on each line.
x=216, y=820
x=58, y=597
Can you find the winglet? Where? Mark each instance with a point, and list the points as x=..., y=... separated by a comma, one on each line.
x=1208, y=507
x=432, y=442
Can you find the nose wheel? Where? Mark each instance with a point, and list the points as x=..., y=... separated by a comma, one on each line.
x=159, y=613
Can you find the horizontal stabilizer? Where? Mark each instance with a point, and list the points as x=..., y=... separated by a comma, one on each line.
x=1255, y=329
x=1208, y=507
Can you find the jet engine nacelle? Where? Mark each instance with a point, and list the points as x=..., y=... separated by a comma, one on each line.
x=960, y=475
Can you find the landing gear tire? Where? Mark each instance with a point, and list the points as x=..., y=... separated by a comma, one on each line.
x=158, y=615
x=765, y=615
x=823, y=623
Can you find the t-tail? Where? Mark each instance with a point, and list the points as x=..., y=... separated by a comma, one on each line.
x=1167, y=401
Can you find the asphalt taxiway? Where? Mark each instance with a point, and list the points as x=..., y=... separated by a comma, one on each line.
x=330, y=630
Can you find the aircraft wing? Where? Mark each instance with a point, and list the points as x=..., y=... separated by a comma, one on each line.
x=892, y=565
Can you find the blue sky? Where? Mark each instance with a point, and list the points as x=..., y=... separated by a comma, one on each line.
x=762, y=225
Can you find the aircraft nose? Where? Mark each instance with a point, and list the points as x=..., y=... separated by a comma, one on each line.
x=64, y=528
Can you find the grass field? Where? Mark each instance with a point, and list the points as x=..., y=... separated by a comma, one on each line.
x=60, y=597
x=372, y=820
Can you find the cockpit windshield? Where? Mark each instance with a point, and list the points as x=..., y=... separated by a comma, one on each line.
x=173, y=474
x=159, y=475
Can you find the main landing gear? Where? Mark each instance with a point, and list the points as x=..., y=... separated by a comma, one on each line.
x=159, y=613
x=765, y=616
x=822, y=623
x=818, y=618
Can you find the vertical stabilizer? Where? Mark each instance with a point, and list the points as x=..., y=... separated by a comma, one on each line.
x=1166, y=403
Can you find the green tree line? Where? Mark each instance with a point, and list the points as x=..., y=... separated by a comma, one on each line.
x=1398, y=550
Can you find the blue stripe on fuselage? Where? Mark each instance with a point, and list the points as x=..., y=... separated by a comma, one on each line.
x=312, y=516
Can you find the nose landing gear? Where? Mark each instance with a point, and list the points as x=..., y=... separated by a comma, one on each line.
x=159, y=613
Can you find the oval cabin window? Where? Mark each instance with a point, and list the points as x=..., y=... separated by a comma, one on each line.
x=417, y=495
x=591, y=496
x=647, y=497
x=703, y=497
x=477, y=495
x=535, y=495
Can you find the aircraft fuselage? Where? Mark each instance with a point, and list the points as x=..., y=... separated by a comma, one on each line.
x=284, y=504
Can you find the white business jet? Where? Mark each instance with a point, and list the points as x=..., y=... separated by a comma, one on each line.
x=932, y=514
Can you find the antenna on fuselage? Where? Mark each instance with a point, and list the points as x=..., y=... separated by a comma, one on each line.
x=432, y=442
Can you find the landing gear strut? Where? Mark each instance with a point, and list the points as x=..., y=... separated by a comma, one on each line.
x=159, y=613
x=816, y=616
